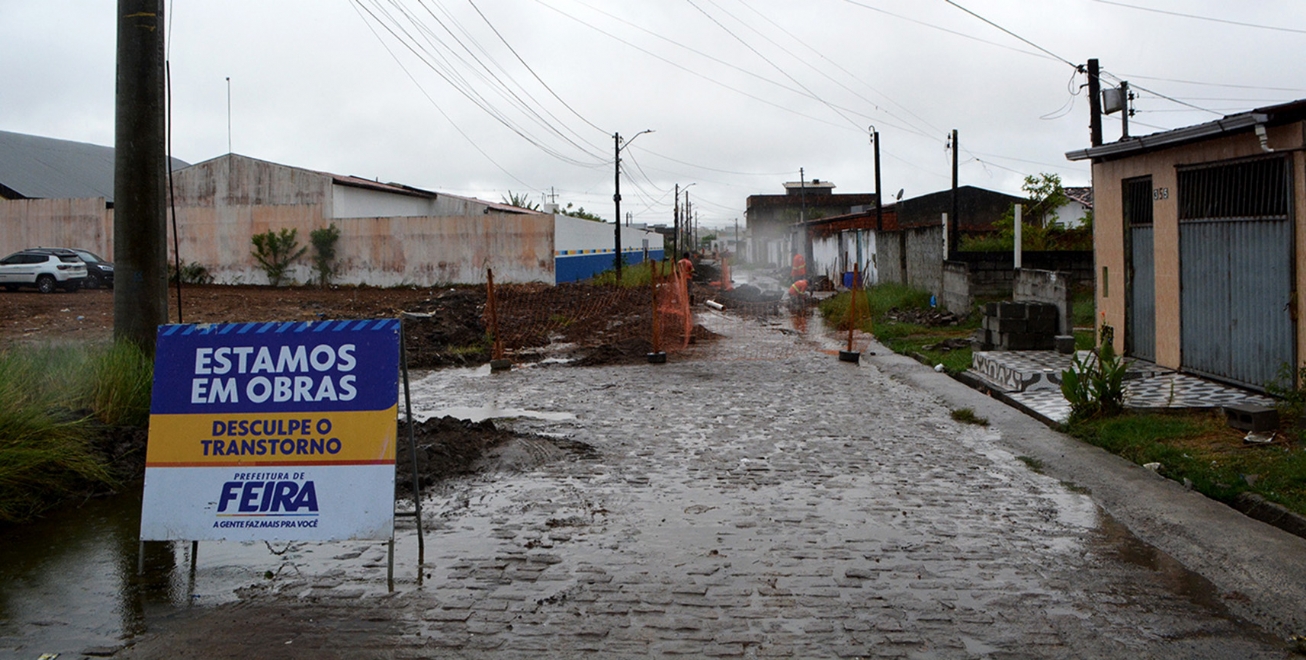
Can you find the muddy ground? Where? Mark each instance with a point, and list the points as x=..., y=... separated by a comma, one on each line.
x=445, y=326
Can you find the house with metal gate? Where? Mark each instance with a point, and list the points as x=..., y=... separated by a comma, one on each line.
x=1197, y=233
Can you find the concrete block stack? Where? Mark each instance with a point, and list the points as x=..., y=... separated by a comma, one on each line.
x=1018, y=326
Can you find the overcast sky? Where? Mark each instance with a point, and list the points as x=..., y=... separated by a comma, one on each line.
x=480, y=97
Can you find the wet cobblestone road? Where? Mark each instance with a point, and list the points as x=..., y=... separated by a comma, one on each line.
x=761, y=499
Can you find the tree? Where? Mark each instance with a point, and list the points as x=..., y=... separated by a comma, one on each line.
x=275, y=252
x=324, y=252
x=1044, y=195
x=580, y=212
x=520, y=201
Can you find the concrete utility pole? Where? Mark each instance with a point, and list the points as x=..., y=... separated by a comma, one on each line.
x=879, y=203
x=616, y=199
x=140, y=171
x=1094, y=104
x=616, y=195
x=675, y=233
x=952, y=227
x=1125, y=96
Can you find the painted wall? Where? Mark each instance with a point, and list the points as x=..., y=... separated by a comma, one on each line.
x=584, y=248
x=1109, y=230
x=75, y=223
x=223, y=202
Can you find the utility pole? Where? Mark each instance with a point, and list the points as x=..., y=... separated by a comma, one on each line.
x=1094, y=104
x=879, y=203
x=1125, y=96
x=675, y=234
x=616, y=199
x=952, y=218
x=140, y=293
x=616, y=195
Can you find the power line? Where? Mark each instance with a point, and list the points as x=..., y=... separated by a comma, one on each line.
x=943, y=29
x=1013, y=34
x=1203, y=18
x=433, y=103
x=1134, y=76
x=528, y=68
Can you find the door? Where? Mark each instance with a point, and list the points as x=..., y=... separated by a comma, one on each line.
x=1236, y=270
x=1140, y=303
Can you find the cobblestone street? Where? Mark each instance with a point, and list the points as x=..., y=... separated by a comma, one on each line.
x=754, y=499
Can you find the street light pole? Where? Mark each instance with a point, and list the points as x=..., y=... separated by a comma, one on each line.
x=616, y=195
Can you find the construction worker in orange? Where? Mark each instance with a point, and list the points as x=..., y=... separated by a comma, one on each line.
x=797, y=290
x=686, y=266
x=798, y=269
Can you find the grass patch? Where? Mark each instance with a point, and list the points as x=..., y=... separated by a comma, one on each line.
x=634, y=275
x=50, y=399
x=944, y=345
x=1031, y=462
x=968, y=416
x=1200, y=447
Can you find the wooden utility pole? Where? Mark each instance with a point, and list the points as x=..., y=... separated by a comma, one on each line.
x=1094, y=104
x=140, y=171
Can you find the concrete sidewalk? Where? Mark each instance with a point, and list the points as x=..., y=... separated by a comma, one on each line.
x=1260, y=570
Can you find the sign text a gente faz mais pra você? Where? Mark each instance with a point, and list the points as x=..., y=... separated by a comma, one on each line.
x=273, y=431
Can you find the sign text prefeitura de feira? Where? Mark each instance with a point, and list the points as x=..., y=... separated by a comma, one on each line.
x=266, y=431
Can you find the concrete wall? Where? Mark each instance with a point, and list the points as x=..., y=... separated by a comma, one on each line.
x=1109, y=229
x=827, y=259
x=584, y=248
x=222, y=203
x=957, y=297
x=75, y=223
x=1045, y=286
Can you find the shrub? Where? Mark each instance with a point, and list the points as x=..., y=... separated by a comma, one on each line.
x=192, y=273
x=1094, y=384
x=276, y=251
x=324, y=252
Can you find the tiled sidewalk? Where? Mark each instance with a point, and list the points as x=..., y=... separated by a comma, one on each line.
x=1032, y=379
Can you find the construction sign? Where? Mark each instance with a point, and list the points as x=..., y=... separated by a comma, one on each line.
x=273, y=431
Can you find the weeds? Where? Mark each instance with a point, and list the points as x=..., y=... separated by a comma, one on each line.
x=49, y=398
x=1202, y=449
x=921, y=341
x=968, y=416
x=1095, y=384
x=634, y=275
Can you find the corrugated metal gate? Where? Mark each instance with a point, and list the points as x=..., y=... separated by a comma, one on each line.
x=1140, y=322
x=1236, y=270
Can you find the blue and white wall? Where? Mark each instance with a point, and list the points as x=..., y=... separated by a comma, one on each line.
x=583, y=248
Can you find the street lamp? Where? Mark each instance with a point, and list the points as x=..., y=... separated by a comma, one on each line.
x=616, y=195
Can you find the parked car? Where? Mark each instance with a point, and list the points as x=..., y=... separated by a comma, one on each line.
x=46, y=269
x=99, y=273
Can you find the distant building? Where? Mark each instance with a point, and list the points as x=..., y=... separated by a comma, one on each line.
x=391, y=234
x=35, y=167
x=770, y=219
x=57, y=192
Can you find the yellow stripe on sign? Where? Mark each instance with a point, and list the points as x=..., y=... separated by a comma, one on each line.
x=319, y=438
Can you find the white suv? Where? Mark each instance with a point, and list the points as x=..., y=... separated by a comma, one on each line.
x=46, y=269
